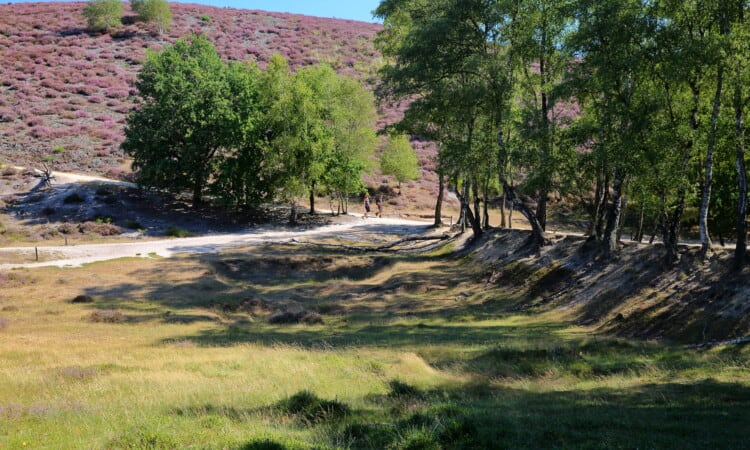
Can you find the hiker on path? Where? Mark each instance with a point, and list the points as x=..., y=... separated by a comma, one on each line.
x=367, y=205
x=379, y=203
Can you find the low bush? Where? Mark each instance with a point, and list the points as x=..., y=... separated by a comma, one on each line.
x=107, y=316
x=133, y=225
x=100, y=228
x=173, y=231
x=67, y=228
x=399, y=389
x=294, y=317
x=311, y=409
x=82, y=299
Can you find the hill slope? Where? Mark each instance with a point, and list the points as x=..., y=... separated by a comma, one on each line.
x=65, y=92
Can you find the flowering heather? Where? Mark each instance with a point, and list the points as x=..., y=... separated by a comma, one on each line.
x=53, y=65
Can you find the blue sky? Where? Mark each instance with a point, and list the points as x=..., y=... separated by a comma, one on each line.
x=340, y=9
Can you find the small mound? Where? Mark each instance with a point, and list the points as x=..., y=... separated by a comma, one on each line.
x=295, y=317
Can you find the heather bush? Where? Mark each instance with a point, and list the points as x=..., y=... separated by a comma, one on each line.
x=100, y=228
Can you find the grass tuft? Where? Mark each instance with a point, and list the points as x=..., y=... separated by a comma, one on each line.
x=311, y=409
x=107, y=316
x=82, y=299
x=399, y=389
x=294, y=317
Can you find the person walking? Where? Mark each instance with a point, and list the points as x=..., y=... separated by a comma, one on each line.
x=367, y=205
x=379, y=204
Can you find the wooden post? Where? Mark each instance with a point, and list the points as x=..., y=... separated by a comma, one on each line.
x=36, y=251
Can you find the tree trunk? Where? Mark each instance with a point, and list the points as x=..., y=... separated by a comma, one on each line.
x=312, y=198
x=464, y=199
x=596, y=206
x=541, y=208
x=602, y=210
x=477, y=204
x=613, y=218
x=486, y=216
x=537, y=233
x=502, y=211
x=639, y=231
x=623, y=211
x=293, y=213
x=197, y=193
x=740, y=250
x=439, y=202
x=706, y=197
x=675, y=222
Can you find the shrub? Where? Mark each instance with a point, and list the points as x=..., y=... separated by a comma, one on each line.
x=173, y=231
x=399, y=389
x=102, y=15
x=100, y=228
x=133, y=224
x=157, y=12
x=67, y=228
x=107, y=316
x=293, y=317
x=312, y=409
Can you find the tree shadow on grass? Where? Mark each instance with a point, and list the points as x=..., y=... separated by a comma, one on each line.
x=693, y=415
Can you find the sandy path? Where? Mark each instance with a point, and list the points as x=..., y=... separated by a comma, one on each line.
x=76, y=255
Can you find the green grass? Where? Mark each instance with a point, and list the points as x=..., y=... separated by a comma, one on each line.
x=398, y=363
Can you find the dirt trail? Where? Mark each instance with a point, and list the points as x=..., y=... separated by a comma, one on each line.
x=74, y=256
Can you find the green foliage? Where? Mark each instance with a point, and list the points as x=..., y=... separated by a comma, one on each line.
x=399, y=159
x=243, y=135
x=156, y=12
x=137, y=5
x=103, y=15
x=187, y=118
x=174, y=231
x=578, y=97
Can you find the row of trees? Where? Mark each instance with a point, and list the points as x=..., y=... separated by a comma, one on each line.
x=244, y=136
x=104, y=15
x=610, y=103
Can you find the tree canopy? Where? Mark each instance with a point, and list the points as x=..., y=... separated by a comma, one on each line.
x=631, y=109
x=241, y=135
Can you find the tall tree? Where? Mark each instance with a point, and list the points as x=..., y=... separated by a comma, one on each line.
x=399, y=160
x=185, y=118
x=612, y=41
x=740, y=102
x=352, y=121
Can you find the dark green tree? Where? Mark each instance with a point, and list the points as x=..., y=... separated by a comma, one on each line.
x=185, y=119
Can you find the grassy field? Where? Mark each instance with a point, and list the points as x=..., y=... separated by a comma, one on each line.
x=289, y=347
